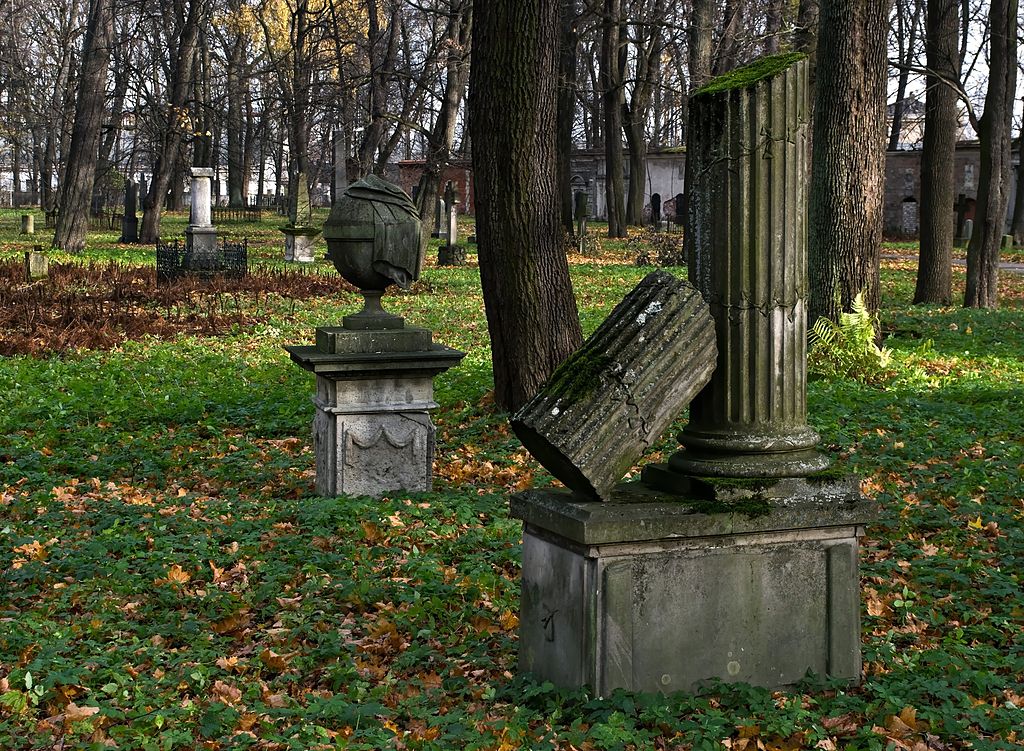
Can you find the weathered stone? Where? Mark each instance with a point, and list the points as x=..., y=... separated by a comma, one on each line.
x=129, y=218
x=28, y=224
x=605, y=405
x=300, y=234
x=37, y=264
x=656, y=210
x=968, y=232
x=451, y=200
x=1007, y=242
x=440, y=225
x=451, y=255
x=200, y=234
x=747, y=166
x=648, y=592
x=340, y=340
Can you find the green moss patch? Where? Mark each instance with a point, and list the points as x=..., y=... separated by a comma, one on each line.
x=748, y=75
x=578, y=376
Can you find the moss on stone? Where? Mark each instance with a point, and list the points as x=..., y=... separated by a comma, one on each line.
x=577, y=377
x=748, y=75
x=830, y=474
x=752, y=507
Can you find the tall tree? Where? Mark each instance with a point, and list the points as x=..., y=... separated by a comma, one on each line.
x=612, y=74
x=908, y=21
x=648, y=44
x=934, y=269
x=982, y=289
x=80, y=173
x=528, y=297
x=845, y=212
x=568, y=45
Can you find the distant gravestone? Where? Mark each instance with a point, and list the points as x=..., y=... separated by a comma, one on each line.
x=679, y=207
x=130, y=220
x=28, y=224
x=656, y=210
x=1007, y=242
x=300, y=234
x=200, y=234
x=451, y=200
x=581, y=212
x=37, y=264
x=968, y=232
x=440, y=213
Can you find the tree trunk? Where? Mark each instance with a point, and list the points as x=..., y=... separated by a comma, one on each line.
x=847, y=176
x=168, y=155
x=76, y=187
x=613, y=97
x=934, y=269
x=237, y=93
x=805, y=35
x=567, y=63
x=905, y=58
x=699, y=42
x=994, y=143
x=442, y=137
x=531, y=310
x=1017, y=224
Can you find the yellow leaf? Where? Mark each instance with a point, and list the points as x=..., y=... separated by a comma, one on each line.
x=178, y=575
x=975, y=523
x=273, y=660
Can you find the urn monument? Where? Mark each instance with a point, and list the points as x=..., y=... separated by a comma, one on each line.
x=372, y=432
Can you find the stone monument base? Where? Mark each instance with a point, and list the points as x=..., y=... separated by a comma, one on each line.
x=201, y=249
x=372, y=431
x=300, y=246
x=654, y=592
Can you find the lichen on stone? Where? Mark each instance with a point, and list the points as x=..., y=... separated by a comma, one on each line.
x=577, y=377
x=762, y=68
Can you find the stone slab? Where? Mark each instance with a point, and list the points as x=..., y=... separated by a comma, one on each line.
x=763, y=600
x=340, y=340
x=376, y=364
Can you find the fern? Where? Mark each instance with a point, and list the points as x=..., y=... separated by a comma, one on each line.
x=847, y=349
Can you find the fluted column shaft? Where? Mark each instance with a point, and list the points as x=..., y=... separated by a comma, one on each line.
x=747, y=172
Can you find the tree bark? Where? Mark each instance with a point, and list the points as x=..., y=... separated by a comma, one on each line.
x=238, y=95
x=699, y=42
x=648, y=46
x=934, y=269
x=994, y=144
x=613, y=97
x=531, y=310
x=76, y=187
x=847, y=177
x=568, y=44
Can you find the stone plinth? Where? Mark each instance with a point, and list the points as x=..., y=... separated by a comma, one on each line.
x=646, y=593
x=372, y=432
x=37, y=264
x=300, y=244
x=201, y=249
x=28, y=224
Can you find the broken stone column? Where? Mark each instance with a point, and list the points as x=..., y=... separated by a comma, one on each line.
x=607, y=403
x=738, y=562
x=372, y=432
x=746, y=242
x=200, y=234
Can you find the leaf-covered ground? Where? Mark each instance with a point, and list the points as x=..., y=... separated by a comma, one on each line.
x=168, y=580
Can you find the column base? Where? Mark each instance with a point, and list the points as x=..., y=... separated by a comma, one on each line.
x=657, y=593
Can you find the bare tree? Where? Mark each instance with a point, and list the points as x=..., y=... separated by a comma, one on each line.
x=982, y=289
x=76, y=186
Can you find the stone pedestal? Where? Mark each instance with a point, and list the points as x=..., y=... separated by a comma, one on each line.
x=200, y=234
x=372, y=432
x=653, y=592
x=300, y=244
x=37, y=264
x=28, y=224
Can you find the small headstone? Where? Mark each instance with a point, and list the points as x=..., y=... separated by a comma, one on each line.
x=656, y=209
x=129, y=220
x=680, y=209
x=968, y=231
x=37, y=264
x=300, y=234
x=451, y=200
x=440, y=227
x=28, y=224
x=581, y=212
x=1007, y=242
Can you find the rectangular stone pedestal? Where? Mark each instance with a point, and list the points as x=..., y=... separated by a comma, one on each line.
x=299, y=247
x=646, y=593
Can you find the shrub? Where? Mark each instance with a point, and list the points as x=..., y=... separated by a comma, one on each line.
x=847, y=349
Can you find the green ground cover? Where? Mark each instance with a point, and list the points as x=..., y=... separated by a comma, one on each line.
x=169, y=581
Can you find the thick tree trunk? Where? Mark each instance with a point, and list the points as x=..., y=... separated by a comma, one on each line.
x=76, y=187
x=994, y=176
x=847, y=177
x=531, y=310
x=613, y=98
x=934, y=269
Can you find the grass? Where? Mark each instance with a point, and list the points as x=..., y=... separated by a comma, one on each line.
x=169, y=581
